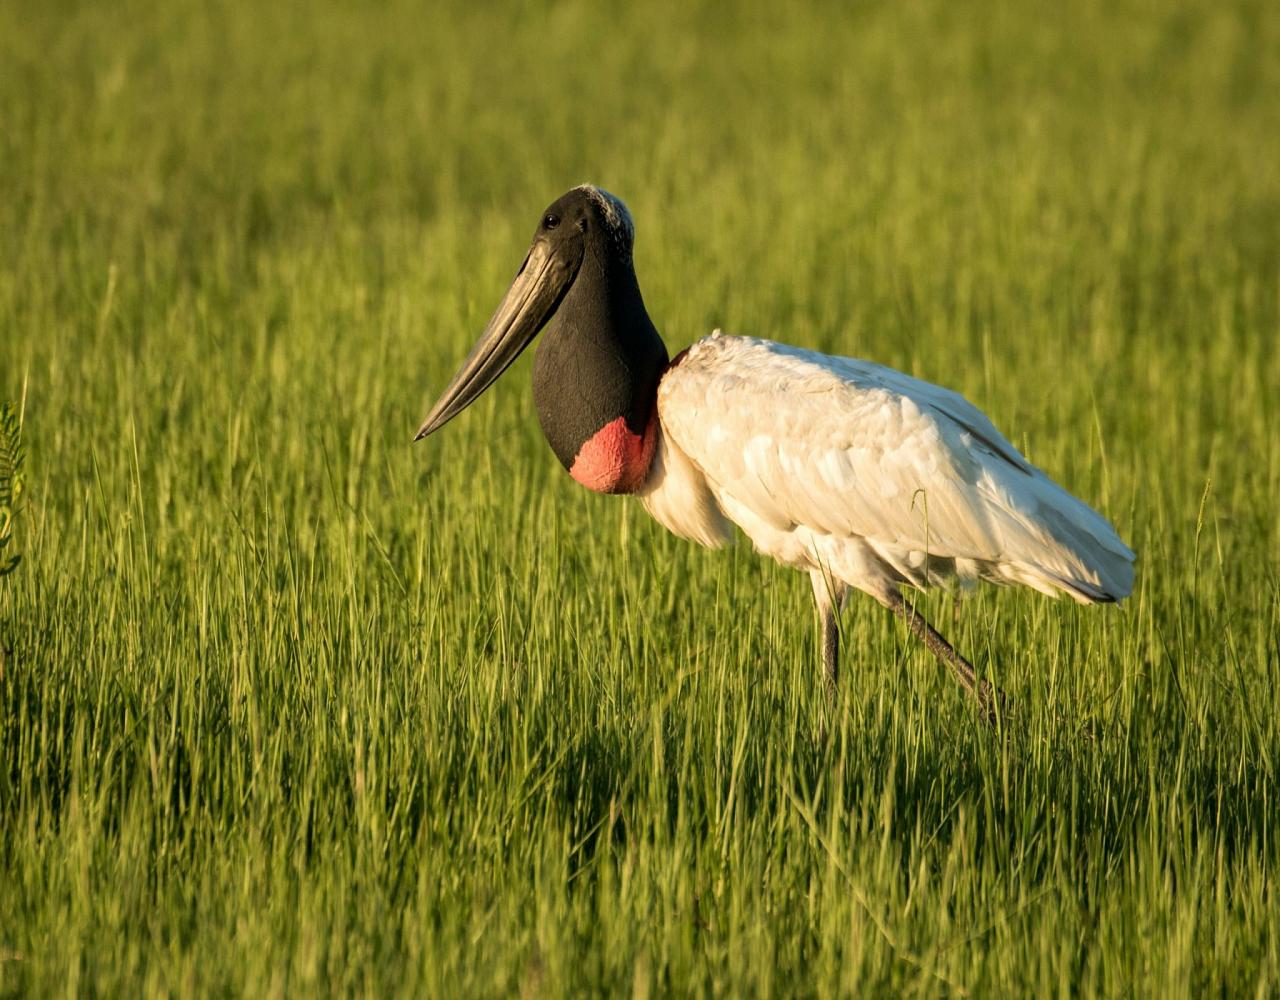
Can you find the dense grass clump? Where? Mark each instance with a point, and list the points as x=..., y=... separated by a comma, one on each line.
x=290, y=706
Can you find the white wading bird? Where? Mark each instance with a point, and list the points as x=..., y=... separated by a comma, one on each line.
x=855, y=473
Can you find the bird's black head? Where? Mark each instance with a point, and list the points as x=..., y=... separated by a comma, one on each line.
x=583, y=223
x=588, y=219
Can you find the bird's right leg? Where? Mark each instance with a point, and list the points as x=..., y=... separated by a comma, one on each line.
x=829, y=596
x=992, y=700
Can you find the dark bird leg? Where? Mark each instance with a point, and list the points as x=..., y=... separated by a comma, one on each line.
x=830, y=649
x=829, y=597
x=990, y=698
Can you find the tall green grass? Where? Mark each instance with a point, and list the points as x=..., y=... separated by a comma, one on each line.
x=289, y=706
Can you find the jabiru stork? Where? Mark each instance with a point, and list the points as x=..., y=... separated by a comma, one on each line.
x=857, y=474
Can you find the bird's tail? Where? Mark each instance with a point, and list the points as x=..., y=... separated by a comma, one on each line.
x=1080, y=555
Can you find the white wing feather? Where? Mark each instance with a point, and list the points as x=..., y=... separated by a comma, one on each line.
x=835, y=463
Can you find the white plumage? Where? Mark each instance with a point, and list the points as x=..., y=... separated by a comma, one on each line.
x=862, y=474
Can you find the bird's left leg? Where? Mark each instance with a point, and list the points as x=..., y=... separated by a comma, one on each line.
x=829, y=595
x=992, y=700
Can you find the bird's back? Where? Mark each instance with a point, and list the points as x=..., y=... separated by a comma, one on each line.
x=877, y=477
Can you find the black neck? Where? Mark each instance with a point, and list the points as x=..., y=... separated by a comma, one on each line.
x=600, y=357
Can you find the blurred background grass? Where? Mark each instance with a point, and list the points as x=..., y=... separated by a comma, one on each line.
x=288, y=706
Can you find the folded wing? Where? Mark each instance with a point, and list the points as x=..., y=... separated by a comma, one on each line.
x=845, y=450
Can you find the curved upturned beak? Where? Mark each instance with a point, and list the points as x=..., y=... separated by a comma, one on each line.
x=533, y=296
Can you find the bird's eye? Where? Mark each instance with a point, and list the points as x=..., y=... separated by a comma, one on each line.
x=550, y=221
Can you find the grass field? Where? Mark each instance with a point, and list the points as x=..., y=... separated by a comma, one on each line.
x=289, y=706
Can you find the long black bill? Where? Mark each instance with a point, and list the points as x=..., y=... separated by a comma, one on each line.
x=529, y=303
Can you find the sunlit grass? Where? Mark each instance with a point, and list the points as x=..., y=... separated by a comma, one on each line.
x=289, y=705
